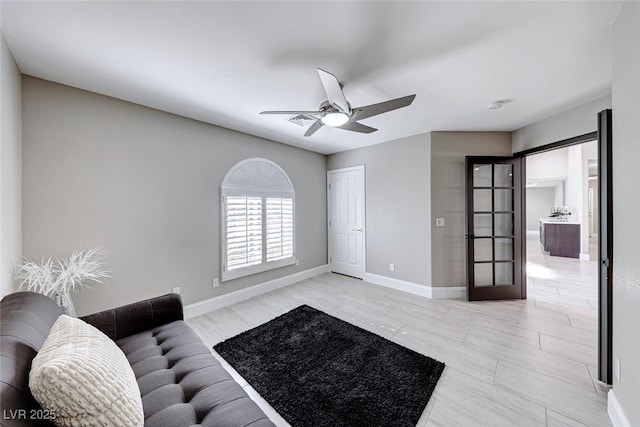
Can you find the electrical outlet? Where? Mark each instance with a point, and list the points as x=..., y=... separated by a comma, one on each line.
x=440, y=222
x=392, y=267
x=617, y=368
x=216, y=282
x=297, y=261
x=176, y=290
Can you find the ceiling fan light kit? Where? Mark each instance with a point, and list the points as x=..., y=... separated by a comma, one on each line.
x=334, y=118
x=337, y=112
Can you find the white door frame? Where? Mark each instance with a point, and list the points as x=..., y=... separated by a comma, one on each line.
x=364, y=214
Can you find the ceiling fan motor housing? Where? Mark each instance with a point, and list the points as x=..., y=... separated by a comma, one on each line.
x=326, y=107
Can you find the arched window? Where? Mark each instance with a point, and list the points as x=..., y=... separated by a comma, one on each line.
x=258, y=219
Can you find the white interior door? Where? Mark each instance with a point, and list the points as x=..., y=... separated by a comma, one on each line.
x=345, y=192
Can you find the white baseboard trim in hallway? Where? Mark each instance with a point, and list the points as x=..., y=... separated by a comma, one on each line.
x=457, y=292
x=618, y=418
x=215, y=303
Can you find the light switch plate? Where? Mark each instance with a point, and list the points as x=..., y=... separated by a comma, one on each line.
x=439, y=222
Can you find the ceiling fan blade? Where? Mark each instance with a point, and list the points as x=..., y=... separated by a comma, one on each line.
x=313, y=128
x=309, y=113
x=357, y=127
x=382, y=107
x=335, y=96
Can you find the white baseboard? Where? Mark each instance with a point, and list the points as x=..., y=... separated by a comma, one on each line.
x=416, y=289
x=616, y=414
x=584, y=257
x=397, y=284
x=215, y=303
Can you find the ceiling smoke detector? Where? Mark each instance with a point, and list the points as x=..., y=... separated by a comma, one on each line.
x=495, y=105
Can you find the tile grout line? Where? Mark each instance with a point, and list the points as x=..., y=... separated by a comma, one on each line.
x=466, y=336
x=558, y=378
x=546, y=416
x=540, y=341
x=593, y=381
x=567, y=416
x=564, y=357
x=430, y=413
x=398, y=331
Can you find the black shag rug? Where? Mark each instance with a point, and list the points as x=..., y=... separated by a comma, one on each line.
x=316, y=370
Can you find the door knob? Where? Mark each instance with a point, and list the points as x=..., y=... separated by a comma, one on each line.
x=357, y=229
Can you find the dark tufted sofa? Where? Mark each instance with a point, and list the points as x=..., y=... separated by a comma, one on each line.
x=181, y=383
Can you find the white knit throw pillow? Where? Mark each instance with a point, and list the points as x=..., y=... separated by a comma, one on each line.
x=83, y=379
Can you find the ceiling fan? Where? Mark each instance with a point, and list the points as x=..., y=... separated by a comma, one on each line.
x=337, y=112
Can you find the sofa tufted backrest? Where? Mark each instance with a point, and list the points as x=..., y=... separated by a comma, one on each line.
x=25, y=321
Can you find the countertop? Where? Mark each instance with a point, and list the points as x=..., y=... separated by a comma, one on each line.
x=555, y=221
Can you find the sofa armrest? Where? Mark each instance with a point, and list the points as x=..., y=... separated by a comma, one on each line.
x=137, y=317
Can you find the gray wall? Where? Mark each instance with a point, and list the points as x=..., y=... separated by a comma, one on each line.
x=540, y=200
x=567, y=124
x=397, y=206
x=10, y=167
x=448, y=150
x=145, y=185
x=626, y=205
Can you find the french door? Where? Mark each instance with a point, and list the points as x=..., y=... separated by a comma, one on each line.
x=495, y=218
x=346, y=205
x=494, y=228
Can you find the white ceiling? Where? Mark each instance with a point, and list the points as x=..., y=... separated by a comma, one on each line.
x=224, y=62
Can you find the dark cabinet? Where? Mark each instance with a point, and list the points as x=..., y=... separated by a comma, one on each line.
x=560, y=238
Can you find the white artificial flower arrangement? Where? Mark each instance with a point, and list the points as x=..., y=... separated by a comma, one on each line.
x=57, y=279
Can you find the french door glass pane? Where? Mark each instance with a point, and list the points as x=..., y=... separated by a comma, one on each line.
x=503, y=249
x=482, y=200
x=503, y=224
x=483, y=274
x=482, y=250
x=482, y=224
x=504, y=273
x=503, y=176
x=482, y=175
x=503, y=200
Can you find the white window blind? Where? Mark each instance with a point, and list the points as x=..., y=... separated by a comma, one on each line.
x=258, y=219
x=279, y=228
x=244, y=231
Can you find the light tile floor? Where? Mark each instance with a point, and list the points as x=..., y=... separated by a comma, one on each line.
x=509, y=363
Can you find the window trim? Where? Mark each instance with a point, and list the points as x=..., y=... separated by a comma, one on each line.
x=230, y=190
